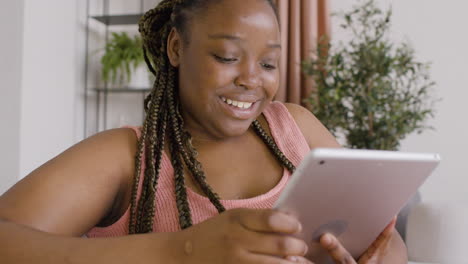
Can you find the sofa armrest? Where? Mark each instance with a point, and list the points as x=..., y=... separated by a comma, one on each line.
x=438, y=233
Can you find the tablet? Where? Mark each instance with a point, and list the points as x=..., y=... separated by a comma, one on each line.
x=352, y=194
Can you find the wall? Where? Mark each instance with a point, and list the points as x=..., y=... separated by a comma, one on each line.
x=437, y=31
x=42, y=80
x=48, y=81
x=11, y=27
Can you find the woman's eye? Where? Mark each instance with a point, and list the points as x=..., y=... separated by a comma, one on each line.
x=224, y=59
x=268, y=66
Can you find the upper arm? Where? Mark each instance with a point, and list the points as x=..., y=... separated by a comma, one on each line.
x=71, y=193
x=315, y=133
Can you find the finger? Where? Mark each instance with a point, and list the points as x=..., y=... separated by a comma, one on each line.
x=276, y=245
x=269, y=221
x=264, y=259
x=377, y=249
x=380, y=244
x=383, y=238
x=390, y=227
x=336, y=250
x=386, y=234
x=299, y=259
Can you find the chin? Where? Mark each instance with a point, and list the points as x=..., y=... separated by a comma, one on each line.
x=234, y=129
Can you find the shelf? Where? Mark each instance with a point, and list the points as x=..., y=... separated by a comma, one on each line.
x=101, y=97
x=122, y=90
x=118, y=19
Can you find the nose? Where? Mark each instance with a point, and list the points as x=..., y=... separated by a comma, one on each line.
x=249, y=76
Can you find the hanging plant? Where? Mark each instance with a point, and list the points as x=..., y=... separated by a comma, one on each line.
x=123, y=54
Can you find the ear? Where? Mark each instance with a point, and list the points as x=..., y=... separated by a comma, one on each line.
x=174, y=47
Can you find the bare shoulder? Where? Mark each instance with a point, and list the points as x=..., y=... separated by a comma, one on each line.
x=313, y=130
x=72, y=192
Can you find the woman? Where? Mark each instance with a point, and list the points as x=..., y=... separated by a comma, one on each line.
x=213, y=143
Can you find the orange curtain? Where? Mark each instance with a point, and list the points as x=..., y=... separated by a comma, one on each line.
x=303, y=23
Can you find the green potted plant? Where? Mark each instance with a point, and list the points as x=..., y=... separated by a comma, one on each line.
x=123, y=62
x=370, y=90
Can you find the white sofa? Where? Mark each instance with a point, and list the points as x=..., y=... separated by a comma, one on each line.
x=437, y=233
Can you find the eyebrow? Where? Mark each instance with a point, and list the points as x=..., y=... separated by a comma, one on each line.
x=224, y=36
x=236, y=38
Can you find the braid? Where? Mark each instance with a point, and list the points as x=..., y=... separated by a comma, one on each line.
x=189, y=155
x=272, y=146
x=164, y=122
x=155, y=150
x=148, y=129
x=199, y=176
x=138, y=158
x=180, y=190
x=154, y=128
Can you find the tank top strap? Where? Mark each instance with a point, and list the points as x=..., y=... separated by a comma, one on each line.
x=166, y=167
x=286, y=132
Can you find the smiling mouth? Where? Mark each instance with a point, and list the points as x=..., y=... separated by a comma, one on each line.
x=238, y=104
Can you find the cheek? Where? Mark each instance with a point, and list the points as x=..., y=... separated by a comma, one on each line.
x=206, y=76
x=271, y=83
x=216, y=75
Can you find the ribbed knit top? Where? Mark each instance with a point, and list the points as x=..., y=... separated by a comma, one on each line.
x=287, y=136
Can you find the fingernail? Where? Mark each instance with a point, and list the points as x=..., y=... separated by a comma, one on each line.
x=293, y=216
x=388, y=231
x=327, y=239
x=300, y=227
x=306, y=249
x=293, y=258
x=279, y=220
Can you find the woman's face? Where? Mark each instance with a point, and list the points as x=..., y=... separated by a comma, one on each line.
x=228, y=72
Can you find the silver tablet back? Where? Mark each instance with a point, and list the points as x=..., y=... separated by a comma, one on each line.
x=352, y=194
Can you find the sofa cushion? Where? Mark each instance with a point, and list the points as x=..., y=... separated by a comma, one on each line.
x=438, y=233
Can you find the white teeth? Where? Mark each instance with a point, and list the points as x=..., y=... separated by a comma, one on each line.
x=244, y=105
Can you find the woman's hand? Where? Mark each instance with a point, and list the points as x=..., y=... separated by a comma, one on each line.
x=243, y=236
x=375, y=254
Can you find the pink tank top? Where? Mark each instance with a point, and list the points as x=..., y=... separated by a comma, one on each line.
x=287, y=136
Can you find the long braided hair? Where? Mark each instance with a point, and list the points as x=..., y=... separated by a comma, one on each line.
x=164, y=123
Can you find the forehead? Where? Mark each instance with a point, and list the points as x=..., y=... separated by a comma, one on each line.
x=241, y=18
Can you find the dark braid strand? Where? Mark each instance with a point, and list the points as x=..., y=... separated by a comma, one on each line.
x=180, y=189
x=189, y=155
x=134, y=215
x=150, y=146
x=273, y=147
